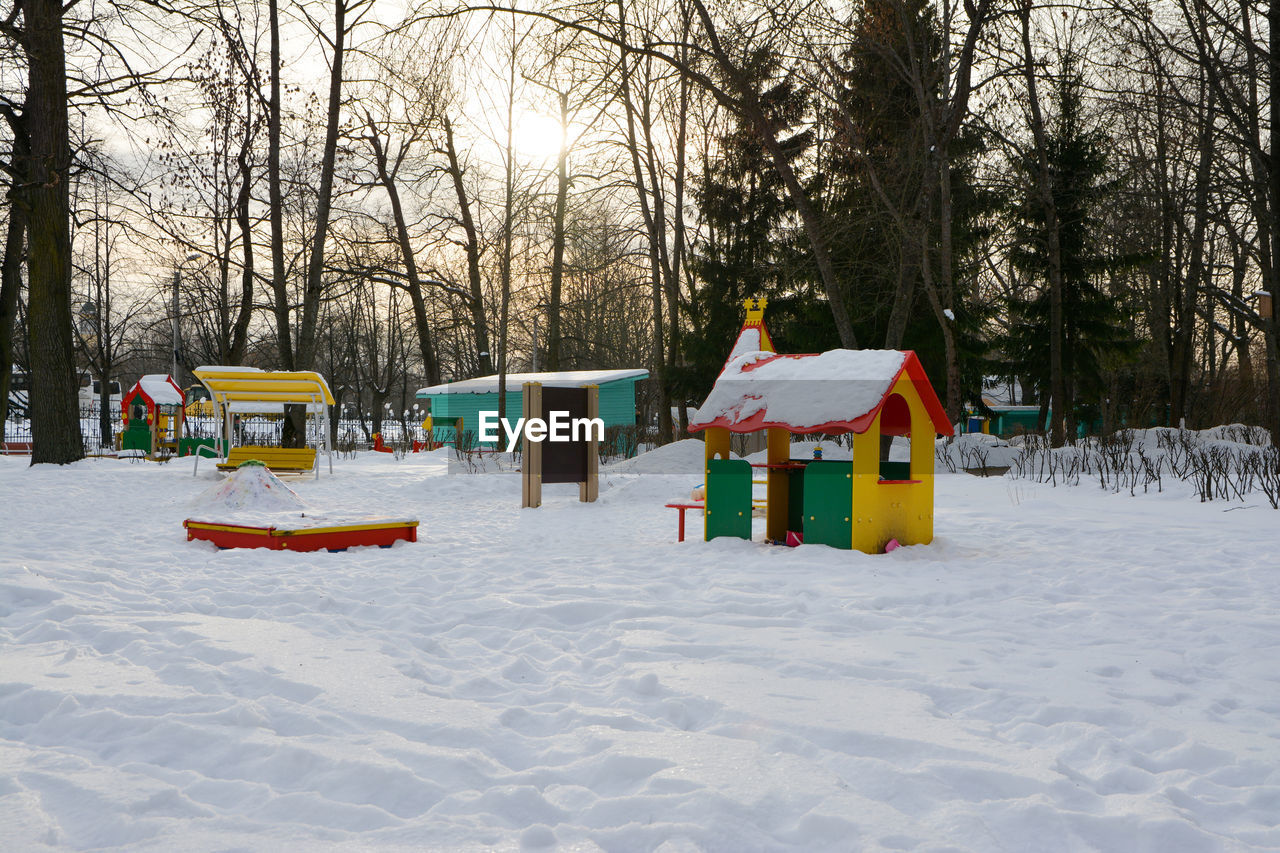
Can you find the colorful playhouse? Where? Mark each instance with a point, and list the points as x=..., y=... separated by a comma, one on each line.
x=864, y=503
x=152, y=411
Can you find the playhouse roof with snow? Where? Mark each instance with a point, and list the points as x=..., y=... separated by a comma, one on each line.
x=158, y=389
x=832, y=392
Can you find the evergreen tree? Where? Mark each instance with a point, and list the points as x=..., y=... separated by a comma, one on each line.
x=748, y=250
x=875, y=193
x=1094, y=333
x=876, y=156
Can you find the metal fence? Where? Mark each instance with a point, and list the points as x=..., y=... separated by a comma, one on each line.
x=398, y=435
x=350, y=433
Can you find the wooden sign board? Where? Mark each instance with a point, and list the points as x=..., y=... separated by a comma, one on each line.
x=560, y=461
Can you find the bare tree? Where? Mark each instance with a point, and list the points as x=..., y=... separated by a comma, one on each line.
x=107, y=315
x=45, y=200
x=12, y=260
x=464, y=219
x=398, y=118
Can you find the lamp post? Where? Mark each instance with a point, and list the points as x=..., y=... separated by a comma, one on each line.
x=177, y=332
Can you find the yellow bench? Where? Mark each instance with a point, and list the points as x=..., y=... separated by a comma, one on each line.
x=275, y=458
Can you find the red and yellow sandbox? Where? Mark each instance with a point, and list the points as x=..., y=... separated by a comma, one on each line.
x=252, y=508
x=328, y=537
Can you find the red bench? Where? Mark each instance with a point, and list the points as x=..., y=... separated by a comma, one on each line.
x=683, y=508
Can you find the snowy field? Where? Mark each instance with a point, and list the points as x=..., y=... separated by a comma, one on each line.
x=1062, y=670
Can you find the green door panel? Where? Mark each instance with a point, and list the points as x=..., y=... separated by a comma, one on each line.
x=728, y=498
x=828, y=504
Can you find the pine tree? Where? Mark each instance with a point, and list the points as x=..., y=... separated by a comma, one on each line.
x=876, y=157
x=747, y=250
x=1094, y=333
x=876, y=195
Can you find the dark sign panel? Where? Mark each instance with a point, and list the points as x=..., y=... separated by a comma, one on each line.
x=564, y=461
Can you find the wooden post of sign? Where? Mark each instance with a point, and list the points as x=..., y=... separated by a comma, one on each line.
x=531, y=459
x=589, y=489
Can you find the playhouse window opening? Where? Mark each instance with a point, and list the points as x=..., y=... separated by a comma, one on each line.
x=895, y=421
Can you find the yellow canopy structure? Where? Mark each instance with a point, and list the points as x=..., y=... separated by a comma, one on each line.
x=236, y=390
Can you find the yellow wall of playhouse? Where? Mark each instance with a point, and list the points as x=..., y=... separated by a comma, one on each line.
x=902, y=511
x=716, y=446
x=778, y=484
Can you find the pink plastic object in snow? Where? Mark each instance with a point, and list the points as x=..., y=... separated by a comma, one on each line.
x=794, y=539
x=892, y=545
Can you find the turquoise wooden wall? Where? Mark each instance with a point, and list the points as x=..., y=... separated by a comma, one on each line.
x=617, y=408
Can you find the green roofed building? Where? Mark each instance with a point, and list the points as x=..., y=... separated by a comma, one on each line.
x=463, y=401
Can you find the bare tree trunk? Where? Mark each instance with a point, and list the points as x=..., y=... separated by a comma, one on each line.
x=240, y=329
x=946, y=272
x=472, y=248
x=279, y=286
x=11, y=264
x=508, y=229
x=10, y=286
x=1239, y=325
x=655, y=226
x=558, y=241
x=1271, y=325
x=941, y=295
x=1184, y=339
x=680, y=425
x=414, y=283
x=1044, y=184
x=314, y=288
x=55, y=419
x=1168, y=280
x=105, y=345
x=903, y=295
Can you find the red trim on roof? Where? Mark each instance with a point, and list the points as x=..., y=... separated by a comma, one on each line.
x=932, y=405
x=137, y=391
x=766, y=342
x=910, y=366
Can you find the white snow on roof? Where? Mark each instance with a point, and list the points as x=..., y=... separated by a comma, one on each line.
x=802, y=390
x=560, y=379
x=748, y=341
x=161, y=391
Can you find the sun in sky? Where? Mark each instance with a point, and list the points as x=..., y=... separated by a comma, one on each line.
x=537, y=138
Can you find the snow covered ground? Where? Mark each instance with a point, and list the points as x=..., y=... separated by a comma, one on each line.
x=1062, y=670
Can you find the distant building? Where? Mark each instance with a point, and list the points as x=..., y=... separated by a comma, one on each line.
x=463, y=401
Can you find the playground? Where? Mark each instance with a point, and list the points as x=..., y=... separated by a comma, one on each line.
x=1060, y=669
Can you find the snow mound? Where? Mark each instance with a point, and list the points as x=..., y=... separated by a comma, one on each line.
x=978, y=451
x=679, y=457
x=1238, y=434
x=250, y=488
